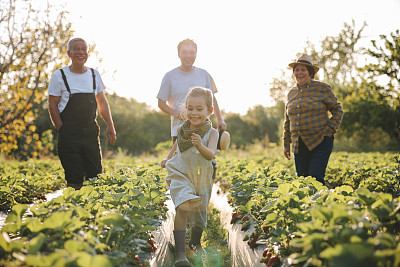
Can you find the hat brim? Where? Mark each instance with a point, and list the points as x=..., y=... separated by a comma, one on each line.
x=316, y=69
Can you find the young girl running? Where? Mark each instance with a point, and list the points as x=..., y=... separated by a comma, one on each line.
x=190, y=171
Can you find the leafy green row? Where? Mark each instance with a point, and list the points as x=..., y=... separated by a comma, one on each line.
x=374, y=171
x=311, y=223
x=106, y=223
x=25, y=182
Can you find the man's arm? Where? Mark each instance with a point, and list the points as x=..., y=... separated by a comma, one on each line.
x=167, y=109
x=54, y=112
x=221, y=125
x=105, y=113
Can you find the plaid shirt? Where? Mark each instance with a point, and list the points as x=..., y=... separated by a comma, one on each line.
x=306, y=115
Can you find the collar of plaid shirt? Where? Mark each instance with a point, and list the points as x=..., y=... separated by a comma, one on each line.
x=306, y=85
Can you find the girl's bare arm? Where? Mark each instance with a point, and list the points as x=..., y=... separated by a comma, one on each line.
x=208, y=152
x=170, y=154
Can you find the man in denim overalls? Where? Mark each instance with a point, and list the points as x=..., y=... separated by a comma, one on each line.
x=75, y=93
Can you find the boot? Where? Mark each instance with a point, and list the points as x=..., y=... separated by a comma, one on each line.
x=194, y=244
x=180, y=249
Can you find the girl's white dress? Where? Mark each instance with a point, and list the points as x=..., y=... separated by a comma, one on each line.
x=190, y=179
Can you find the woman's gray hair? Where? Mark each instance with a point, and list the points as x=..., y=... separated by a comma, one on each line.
x=73, y=40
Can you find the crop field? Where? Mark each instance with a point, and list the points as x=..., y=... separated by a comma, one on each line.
x=282, y=219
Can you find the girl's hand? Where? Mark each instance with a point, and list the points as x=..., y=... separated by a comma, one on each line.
x=163, y=162
x=196, y=140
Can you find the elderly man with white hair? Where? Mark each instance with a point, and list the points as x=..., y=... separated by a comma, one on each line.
x=75, y=93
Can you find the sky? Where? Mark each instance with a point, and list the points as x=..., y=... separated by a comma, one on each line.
x=242, y=44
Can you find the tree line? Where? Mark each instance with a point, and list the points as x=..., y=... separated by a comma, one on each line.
x=33, y=46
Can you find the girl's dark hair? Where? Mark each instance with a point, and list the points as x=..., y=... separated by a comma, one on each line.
x=310, y=69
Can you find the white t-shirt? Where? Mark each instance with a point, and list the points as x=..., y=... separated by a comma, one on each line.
x=78, y=83
x=175, y=86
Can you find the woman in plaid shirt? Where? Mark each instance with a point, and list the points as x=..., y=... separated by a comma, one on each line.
x=307, y=123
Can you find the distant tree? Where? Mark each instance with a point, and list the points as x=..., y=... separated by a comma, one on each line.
x=33, y=42
x=388, y=59
x=281, y=86
x=262, y=123
x=337, y=56
x=366, y=111
x=386, y=72
x=139, y=127
x=238, y=129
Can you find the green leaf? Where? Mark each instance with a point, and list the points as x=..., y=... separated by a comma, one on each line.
x=381, y=210
x=113, y=219
x=270, y=205
x=83, y=213
x=73, y=246
x=385, y=240
x=384, y=254
x=35, y=226
x=58, y=220
x=284, y=189
x=54, y=259
x=322, y=213
x=365, y=196
x=39, y=211
x=250, y=204
x=12, y=228
x=360, y=251
x=145, y=228
x=100, y=261
x=16, y=213
x=271, y=218
x=5, y=189
x=36, y=243
x=4, y=241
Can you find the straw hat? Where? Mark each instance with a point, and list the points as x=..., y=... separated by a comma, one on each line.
x=304, y=60
x=224, y=140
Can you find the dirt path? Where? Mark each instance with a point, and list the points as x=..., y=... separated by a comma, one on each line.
x=241, y=253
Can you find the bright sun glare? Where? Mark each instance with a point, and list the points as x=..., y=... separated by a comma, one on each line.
x=242, y=44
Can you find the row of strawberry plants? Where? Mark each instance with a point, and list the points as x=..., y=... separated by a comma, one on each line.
x=375, y=171
x=311, y=224
x=106, y=223
x=25, y=182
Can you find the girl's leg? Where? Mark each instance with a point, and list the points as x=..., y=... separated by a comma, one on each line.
x=195, y=237
x=182, y=212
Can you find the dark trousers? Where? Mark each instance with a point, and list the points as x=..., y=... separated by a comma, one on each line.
x=313, y=163
x=80, y=157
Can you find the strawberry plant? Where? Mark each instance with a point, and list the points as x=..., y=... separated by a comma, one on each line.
x=352, y=218
x=108, y=221
x=25, y=182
